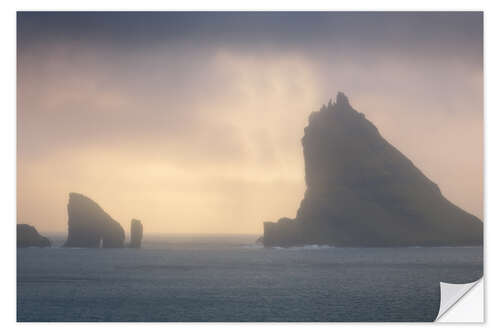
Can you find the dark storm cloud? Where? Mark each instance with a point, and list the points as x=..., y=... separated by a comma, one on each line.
x=432, y=33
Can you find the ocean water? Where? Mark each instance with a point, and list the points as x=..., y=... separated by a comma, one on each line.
x=229, y=278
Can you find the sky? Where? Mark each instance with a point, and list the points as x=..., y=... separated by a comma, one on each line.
x=192, y=121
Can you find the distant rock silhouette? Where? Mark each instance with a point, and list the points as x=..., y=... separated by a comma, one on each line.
x=28, y=236
x=361, y=191
x=135, y=233
x=90, y=226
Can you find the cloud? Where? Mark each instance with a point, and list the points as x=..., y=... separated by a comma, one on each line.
x=195, y=136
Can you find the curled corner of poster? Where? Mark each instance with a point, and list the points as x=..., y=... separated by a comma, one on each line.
x=462, y=303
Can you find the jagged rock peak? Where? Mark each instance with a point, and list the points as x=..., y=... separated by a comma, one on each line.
x=341, y=103
x=342, y=99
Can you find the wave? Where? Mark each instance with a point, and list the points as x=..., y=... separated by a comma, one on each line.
x=305, y=247
x=291, y=248
x=253, y=246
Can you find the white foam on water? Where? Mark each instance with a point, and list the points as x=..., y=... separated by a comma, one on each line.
x=253, y=246
x=305, y=247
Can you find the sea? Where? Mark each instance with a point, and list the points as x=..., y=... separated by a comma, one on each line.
x=230, y=278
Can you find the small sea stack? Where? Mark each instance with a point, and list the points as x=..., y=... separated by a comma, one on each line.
x=28, y=236
x=135, y=234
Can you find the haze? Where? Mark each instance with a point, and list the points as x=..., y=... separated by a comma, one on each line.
x=191, y=122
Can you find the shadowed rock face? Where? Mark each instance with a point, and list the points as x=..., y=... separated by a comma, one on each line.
x=89, y=225
x=135, y=233
x=361, y=191
x=28, y=236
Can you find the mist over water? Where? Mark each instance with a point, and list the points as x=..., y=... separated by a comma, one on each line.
x=229, y=278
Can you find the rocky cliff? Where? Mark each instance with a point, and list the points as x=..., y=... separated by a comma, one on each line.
x=135, y=233
x=361, y=191
x=90, y=226
x=28, y=236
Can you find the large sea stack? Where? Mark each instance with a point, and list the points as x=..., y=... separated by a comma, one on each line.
x=361, y=191
x=90, y=226
x=135, y=233
x=28, y=236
